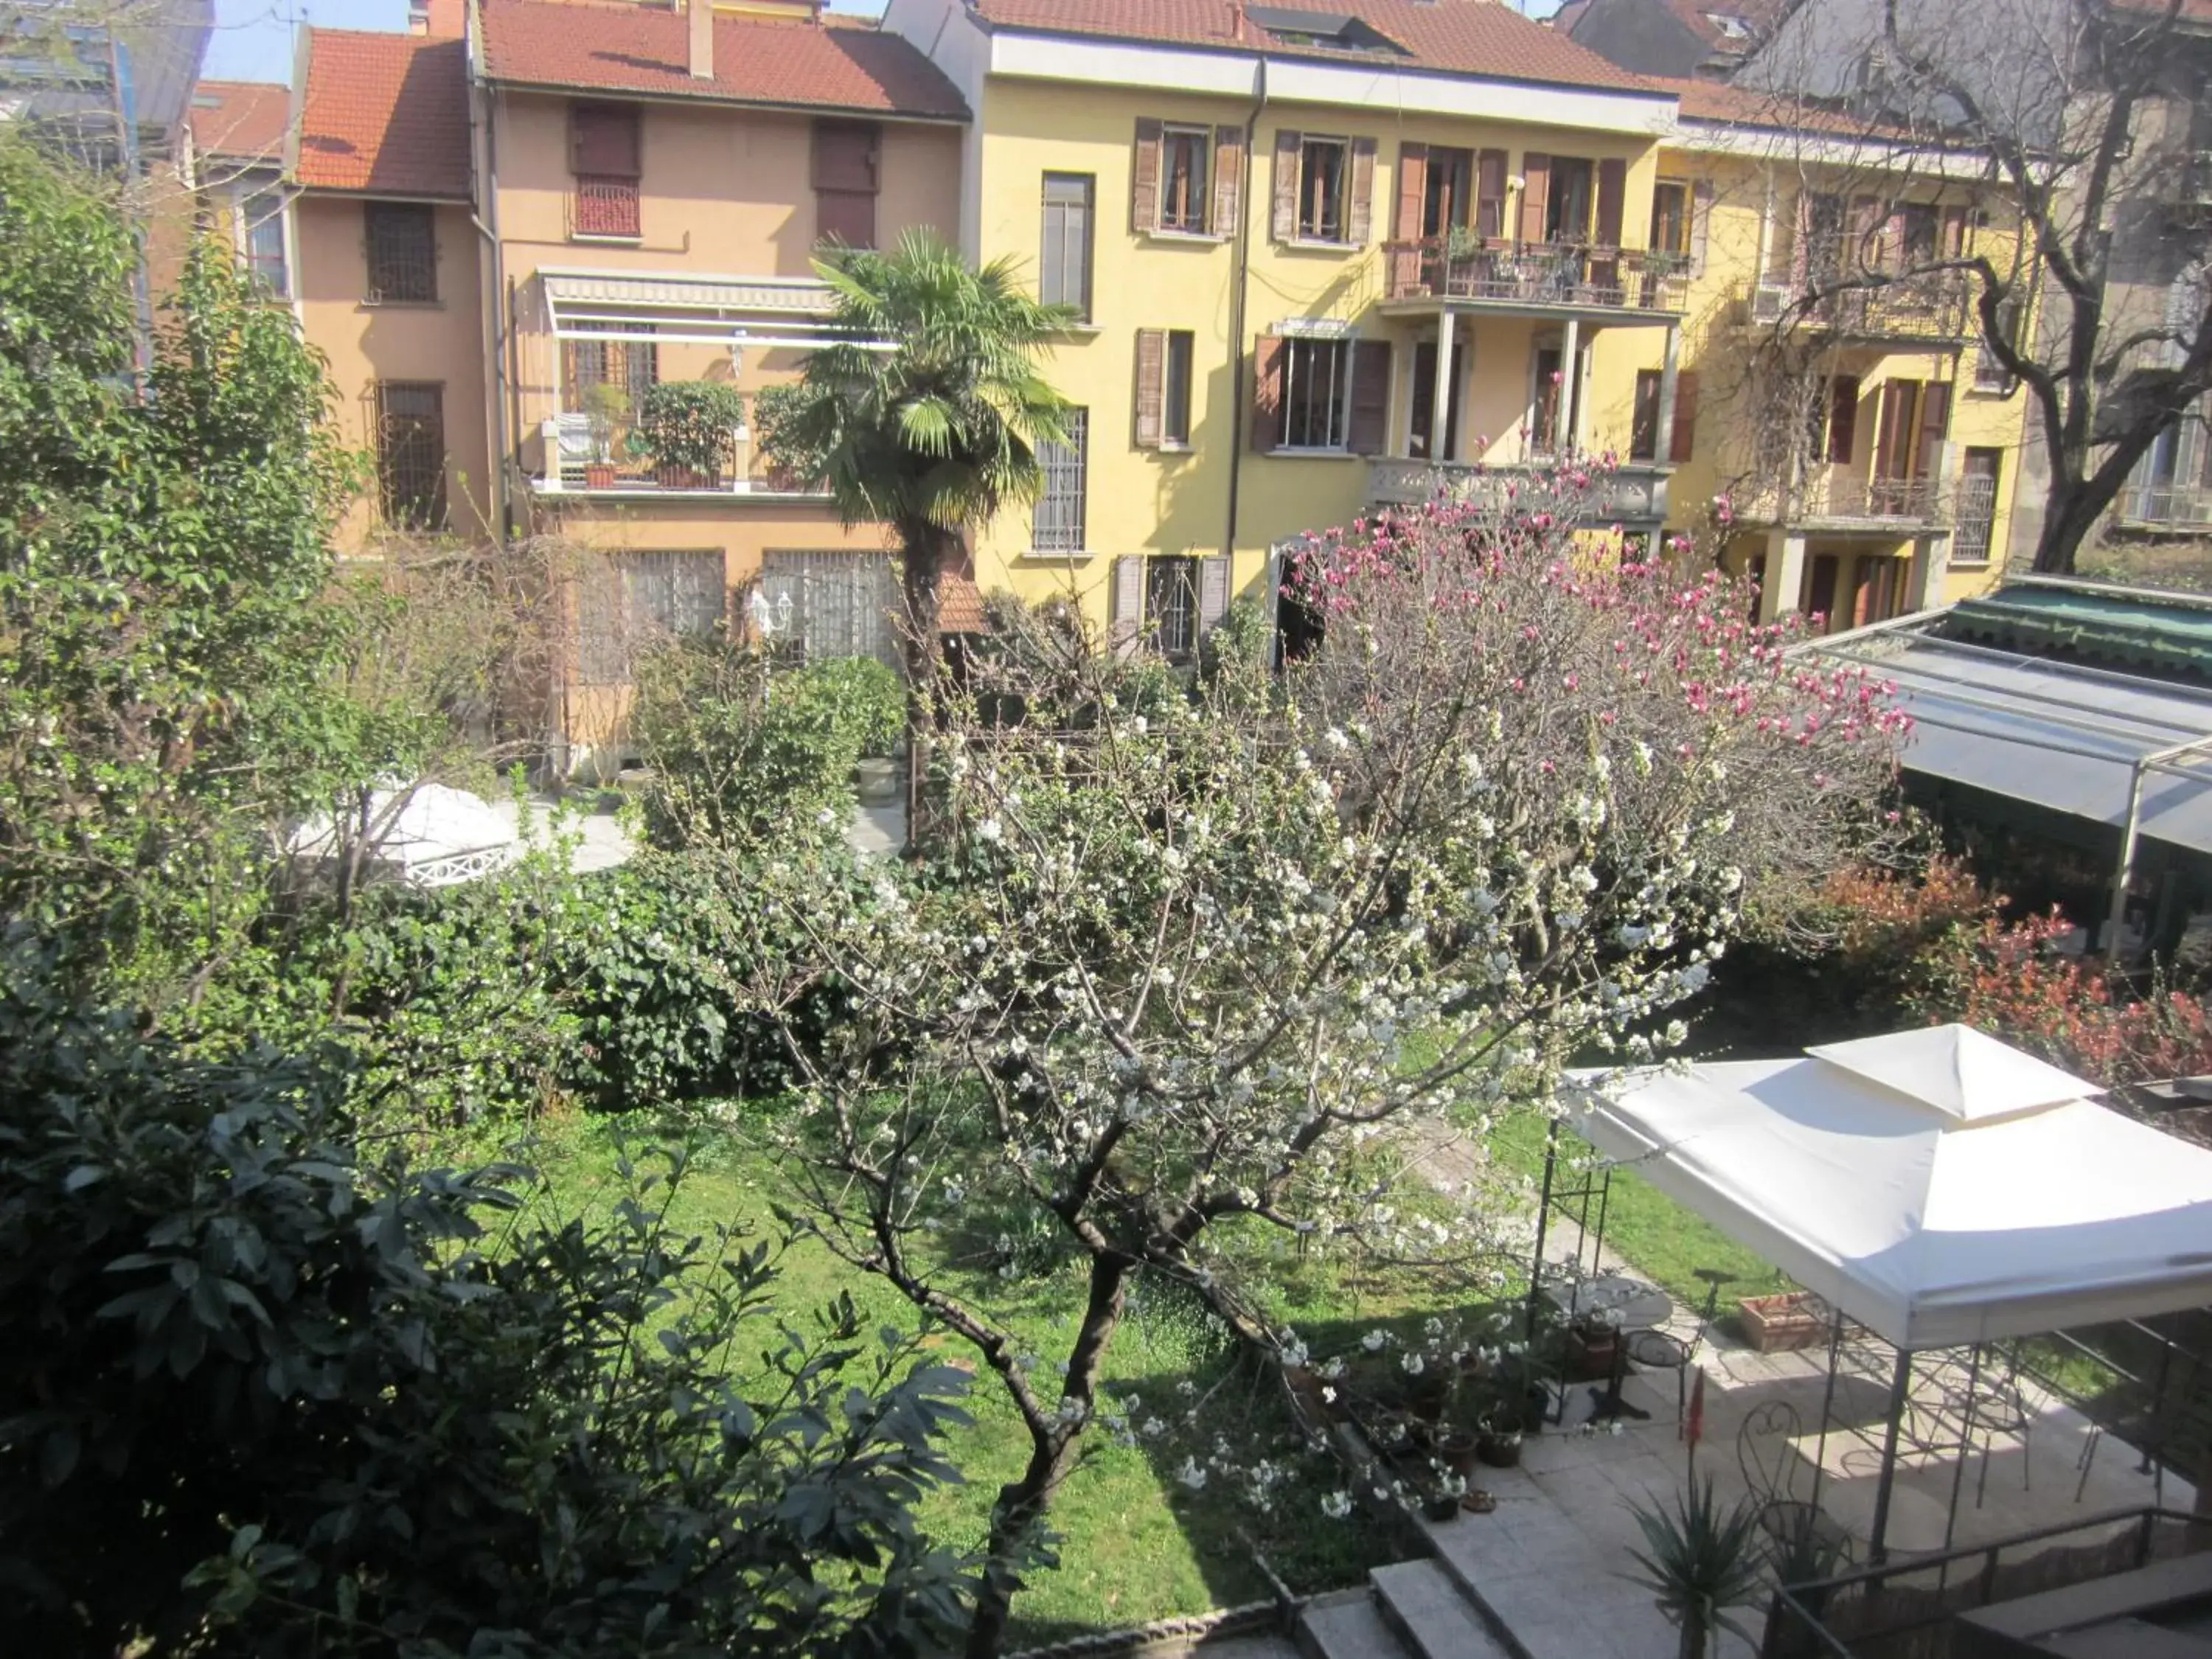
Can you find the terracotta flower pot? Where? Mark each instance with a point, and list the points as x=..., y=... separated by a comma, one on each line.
x=599, y=475
x=1499, y=1451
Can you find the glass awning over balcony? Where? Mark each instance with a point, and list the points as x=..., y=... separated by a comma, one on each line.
x=679, y=308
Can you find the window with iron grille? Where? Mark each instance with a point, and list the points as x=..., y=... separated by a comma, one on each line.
x=604, y=207
x=1316, y=378
x=635, y=601
x=402, y=253
x=410, y=453
x=831, y=604
x=1975, y=527
x=1186, y=180
x=605, y=148
x=1171, y=605
x=1057, y=525
x=1064, y=262
x=263, y=217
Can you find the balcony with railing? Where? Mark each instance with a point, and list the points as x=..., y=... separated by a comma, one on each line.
x=1632, y=494
x=1500, y=273
x=1837, y=500
x=605, y=209
x=580, y=456
x=1841, y=291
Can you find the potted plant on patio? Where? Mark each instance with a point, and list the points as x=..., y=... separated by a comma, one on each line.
x=689, y=429
x=1700, y=1560
x=1593, y=1345
x=605, y=407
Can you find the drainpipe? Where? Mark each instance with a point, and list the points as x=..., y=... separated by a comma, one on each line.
x=1237, y=310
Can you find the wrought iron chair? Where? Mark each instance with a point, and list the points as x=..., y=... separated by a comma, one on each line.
x=1799, y=1533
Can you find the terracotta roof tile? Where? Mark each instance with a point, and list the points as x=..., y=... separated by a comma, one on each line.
x=1464, y=37
x=960, y=606
x=242, y=120
x=646, y=48
x=384, y=114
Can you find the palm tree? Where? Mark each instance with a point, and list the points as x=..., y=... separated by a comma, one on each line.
x=924, y=415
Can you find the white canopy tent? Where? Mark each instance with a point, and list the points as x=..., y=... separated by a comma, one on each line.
x=1937, y=1186
x=427, y=835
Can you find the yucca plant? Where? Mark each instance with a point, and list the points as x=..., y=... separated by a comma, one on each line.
x=1700, y=1562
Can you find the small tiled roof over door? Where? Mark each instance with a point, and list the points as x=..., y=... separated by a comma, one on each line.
x=384, y=114
x=240, y=120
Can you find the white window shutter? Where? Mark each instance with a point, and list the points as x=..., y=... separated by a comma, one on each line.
x=1126, y=622
x=1212, y=593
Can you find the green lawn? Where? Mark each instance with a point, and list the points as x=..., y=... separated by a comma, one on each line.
x=1136, y=1545
x=1666, y=1243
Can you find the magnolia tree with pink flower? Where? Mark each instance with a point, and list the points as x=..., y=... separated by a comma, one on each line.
x=1193, y=958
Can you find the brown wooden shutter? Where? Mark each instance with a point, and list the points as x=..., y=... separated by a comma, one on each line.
x=1125, y=625
x=1212, y=592
x=1683, y=438
x=1535, y=194
x=1891, y=440
x=846, y=172
x=1151, y=385
x=603, y=141
x=1701, y=211
x=1267, y=393
x=1612, y=201
x=1288, y=145
x=847, y=216
x=1145, y=179
x=1954, y=232
x=1489, y=165
x=1228, y=179
x=1862, y=585
x=1362, y=217
x=1412, y=191
x=1368, y=431
x=1934, y=424
x=1843, y=417
x=1644, y=416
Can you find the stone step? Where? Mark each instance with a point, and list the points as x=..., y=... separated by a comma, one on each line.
x=1347, y=1626
x=1421, y=1601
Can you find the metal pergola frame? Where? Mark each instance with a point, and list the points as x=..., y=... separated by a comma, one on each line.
x=771, y=312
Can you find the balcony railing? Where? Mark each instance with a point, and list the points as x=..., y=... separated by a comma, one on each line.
x=1849, y=499
x=2161, y=506
x=1848, y=290
x=1629, y=494
x=604, y=207
x=568, y=463
x=1502, y=272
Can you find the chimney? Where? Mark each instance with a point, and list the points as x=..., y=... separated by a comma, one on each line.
x=418, y=16
x=702, y=39
x=439, y=19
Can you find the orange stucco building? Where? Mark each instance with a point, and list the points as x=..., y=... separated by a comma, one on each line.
x=508, y=227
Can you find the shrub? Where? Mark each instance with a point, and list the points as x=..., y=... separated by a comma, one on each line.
x=744, y=748
x=285, y=1401
x=687, y=425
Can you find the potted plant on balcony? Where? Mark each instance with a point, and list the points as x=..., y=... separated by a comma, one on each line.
x=606, y=406
x=688, y=429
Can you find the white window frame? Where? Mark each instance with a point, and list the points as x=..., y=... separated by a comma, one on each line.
x=1079, y=423
x=1203, y=183
x=1299, y=234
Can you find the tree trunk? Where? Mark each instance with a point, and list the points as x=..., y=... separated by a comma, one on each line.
x=1695, y=1642
x=1022, y=1504
x=2071, y=515
x=923, y=548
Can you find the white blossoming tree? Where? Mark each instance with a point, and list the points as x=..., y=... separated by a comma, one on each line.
x=1190, y=952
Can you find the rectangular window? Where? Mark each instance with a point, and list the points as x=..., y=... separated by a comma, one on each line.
x=410, y=453
x=832, y=603
x=1643, y=421
x=605, y=152
x=1064, y=265
x=1321, y=163
x=1056, y=526
x=1175, y=413
x=848, y=173
x=1670, y=218
x=1975, y=527
x=1171, y=605
x=402, y=253
x=263, y=218
x=636, y=601
x=1316, y=380
x=1567, y=209
x=604, y=207
x=1919, y=230
x=1186, y=178
x=1447, y=184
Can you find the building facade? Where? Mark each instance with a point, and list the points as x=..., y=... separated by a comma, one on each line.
x=1316, y=264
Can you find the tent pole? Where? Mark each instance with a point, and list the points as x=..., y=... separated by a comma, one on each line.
x=1604, y=1202
x=1900, y=1384
x=1543, y=1219
x=2125, y=873
x=1965, y=1442
x=1827, y=1403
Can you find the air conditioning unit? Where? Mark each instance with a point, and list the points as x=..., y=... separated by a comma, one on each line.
x=1769, y=302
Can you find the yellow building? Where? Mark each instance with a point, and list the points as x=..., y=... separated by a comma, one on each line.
x=1275, y=224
